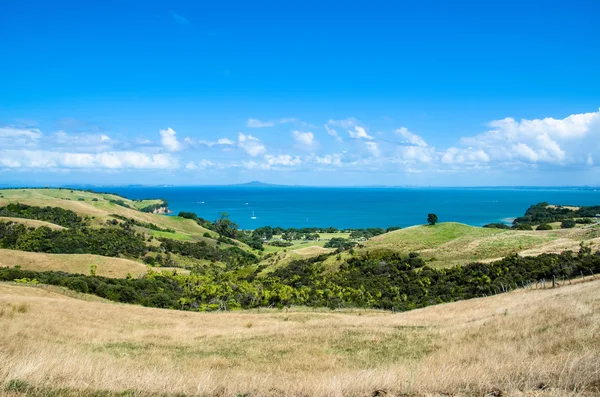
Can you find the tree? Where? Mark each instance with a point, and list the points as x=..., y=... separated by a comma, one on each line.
x=567, y=224
x=225, y=226
x=432, y=219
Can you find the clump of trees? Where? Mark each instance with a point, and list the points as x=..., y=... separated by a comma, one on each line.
x=147, y=225
x=341, y=244
x=544, y=213
x=155, y=207
x=82, y=240
x=54, y=215
x=381, y=279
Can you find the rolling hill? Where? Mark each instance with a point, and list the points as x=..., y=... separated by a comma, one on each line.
x=527, y=342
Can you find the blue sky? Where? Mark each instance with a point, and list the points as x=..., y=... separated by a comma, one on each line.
x=300, y=92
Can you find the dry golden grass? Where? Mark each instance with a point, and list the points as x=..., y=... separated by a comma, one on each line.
x=534, y=343
x=31, y=222
x=449, y=244
x=75, y=263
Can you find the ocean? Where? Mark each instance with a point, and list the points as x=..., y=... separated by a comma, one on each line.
x=357, y=207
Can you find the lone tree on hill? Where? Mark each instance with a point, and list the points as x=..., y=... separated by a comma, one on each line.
x=224, y=226
x=432, y=219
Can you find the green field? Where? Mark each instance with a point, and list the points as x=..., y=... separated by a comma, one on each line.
x=447, y=244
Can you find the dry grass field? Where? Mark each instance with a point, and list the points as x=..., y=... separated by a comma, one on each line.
x=448, y=244
x=523, y=343
x=76, y=263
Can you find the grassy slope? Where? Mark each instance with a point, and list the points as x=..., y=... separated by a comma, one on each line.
x=30, y=222
x=452, y=243
x=508, y=344
x=79, y=263
x=101, y=209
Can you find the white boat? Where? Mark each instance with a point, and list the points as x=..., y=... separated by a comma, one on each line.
x=253, y=216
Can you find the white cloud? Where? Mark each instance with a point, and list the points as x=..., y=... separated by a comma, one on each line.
x=16, y=132
x=355, y=130
x=332, y=132
x=102, y=160
x=548, y=140
x=282, y=159
x=330, y=159
x=251, y=145
x=256, y=123
x=373, y=148
x=202, y=164
x=455, y=155
x=419, y=154
x=304, y=139
x=225, y=141
x=412, y=139
x=345, y=123
x=222, y=141
x=169, y=140
x=590, y=160
x=359, y=133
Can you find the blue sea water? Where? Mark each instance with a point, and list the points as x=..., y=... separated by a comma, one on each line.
x=357, y=207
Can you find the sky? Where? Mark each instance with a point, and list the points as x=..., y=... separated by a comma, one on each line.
x=320, y=93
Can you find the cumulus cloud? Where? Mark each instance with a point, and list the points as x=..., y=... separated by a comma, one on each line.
x=330, y=159
x=355, y=130
x=332, y=132
x=102, y=160
x=256, y=123
x=251, y=145
x=16, y=132
x=202, y=164
x=373, y=148
x=169, y=140
x=282, y=159
x=455, y=155
x=548, y=140
x=197, y=142
x=305, y=140
x=410, y=138
x=359, y=133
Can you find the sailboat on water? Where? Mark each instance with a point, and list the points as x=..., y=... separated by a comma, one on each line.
x=253, y=216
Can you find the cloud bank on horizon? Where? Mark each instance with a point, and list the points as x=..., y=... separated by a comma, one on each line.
x=339, y=146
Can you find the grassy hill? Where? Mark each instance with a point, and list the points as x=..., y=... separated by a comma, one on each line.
x=99, y=207
x=523, y=343
x=450, y=243
x=78, y=263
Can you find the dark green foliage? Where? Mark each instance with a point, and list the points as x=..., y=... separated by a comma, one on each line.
x=232, y=256
x=250, y=239
x=544, y=226
x=188, y=215
x=119, y=202
x=82, y=240
x=568, y=224
x=154, y=290
x=225, y=226
x=147, y=225
x=366, y=233
x=392, y=228
x=155, y=207
x=384, y=280
x=542, y=213
x=585, y=221
x=279, y=243
x=523, y=226
x=432, y=219
x=341, y=244
x=498, y=225
x=54, y=215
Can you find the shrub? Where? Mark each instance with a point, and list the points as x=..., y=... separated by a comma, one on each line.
x=568, y=224
x=544, y=226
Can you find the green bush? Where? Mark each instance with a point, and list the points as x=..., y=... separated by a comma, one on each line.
x=568, y=224
x=544, y=226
